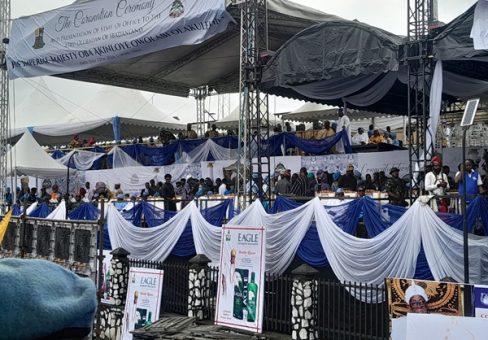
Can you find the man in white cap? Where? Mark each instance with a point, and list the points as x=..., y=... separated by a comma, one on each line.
x=343, y=124
x=416, y=298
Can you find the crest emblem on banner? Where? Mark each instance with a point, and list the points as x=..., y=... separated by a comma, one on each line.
x=177, y=9
x=484, y=298
x=39, y=41
x=227, y=236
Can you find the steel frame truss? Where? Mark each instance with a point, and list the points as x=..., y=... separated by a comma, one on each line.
x=4, y=98
x=253, y=165
x=418, y=58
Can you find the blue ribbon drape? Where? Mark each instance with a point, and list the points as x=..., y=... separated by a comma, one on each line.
x=377, y=218
x=85, y=212
x=41, y=211
x=286, y=140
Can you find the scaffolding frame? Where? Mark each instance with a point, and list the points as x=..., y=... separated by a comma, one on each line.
x=253, y=165
x=4, y=98
x=419, y=61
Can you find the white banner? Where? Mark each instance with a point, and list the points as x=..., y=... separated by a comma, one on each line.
x=143, y=299
x=92, y=33
x=240, y=296
x=365, y=163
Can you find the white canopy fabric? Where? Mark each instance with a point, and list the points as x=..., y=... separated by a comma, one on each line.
x=51, y=123
x=81, y=159
x=27, y=157
x=120, y=159
x=231, y=121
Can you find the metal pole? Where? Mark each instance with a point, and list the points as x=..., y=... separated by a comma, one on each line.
x=101, y=223
x=465, y=217
x=67, y=183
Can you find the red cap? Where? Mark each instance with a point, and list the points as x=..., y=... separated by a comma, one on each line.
x=436, y=160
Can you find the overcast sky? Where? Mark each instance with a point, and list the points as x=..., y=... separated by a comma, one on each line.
x=390, y=15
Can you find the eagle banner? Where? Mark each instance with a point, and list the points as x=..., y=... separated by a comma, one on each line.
x=92, y=33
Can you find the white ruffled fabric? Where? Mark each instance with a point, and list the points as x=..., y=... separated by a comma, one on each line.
x=121, y=159
x=393, y=253
x=59, y=213
x=201, y=153
x=82, y=159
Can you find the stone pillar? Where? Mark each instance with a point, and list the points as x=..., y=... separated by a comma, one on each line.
x=113, y=313
x=199, y=287
x=304, y=303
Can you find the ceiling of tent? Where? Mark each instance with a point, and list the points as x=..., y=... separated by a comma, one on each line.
x=310, y=112
x=320, y=61
x=51, y=123
x=177, y=70
x=454, y=46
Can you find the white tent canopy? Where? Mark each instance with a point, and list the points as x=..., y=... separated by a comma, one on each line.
x=310, y=112
x=51, y=123
x=27, y=158
x=231, y=121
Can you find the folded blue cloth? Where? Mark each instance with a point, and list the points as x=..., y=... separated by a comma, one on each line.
x=39, y=298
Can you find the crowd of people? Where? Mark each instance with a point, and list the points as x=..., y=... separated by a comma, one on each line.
x=435, y=180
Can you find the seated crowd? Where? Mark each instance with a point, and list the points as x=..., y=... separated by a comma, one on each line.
x=436, y=180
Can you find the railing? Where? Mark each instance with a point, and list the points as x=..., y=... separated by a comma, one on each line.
x=72, y=244
x=277, y=303
x=175, y=284
x=341, y=316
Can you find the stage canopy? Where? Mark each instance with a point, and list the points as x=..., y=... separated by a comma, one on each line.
x=113, y=114
x=176, y=70
x=337, y=62
x=27, y=158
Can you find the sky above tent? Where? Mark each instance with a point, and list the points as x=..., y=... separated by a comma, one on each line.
x=387, y=14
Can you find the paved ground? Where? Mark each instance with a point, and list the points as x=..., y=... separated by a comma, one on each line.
x=180, y=327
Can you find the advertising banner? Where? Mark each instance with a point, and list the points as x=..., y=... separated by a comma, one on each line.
x=92, y=33
x=481, y=301
x=143, y=299
x=408, y=296
x=240, y=293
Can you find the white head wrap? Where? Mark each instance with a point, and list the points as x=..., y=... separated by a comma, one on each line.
x=415, y=290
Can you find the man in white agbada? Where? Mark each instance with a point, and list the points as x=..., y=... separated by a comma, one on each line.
x=416, y=298
x=360, y=138
x=343, y=123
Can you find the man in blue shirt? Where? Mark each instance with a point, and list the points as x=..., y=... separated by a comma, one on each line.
x=472, y=179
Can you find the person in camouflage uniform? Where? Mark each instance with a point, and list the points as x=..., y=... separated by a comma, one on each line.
x=396, y=188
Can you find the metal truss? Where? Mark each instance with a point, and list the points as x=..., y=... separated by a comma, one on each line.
x=4, y=97
x=418, y=58
x=254, y=166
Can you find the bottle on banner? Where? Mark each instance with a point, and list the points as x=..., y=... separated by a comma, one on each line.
x=252, y=293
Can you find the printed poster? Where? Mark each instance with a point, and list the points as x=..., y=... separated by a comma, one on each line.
x=240, y=295
x=409, y=296
x=143, y=299
x=481, y=301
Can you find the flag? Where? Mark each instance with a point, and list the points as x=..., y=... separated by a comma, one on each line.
x=4, y=224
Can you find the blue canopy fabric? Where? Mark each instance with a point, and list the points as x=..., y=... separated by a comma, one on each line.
x=41, y=211
x=85, y=212
x=318, y=147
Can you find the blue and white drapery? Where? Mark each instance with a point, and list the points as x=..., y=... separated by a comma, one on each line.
x=393, y=252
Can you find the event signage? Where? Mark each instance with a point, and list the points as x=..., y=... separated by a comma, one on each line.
x=411, y=296
x=481, y=301
x=92, y=33
x=241, y=278
x=143, y=299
